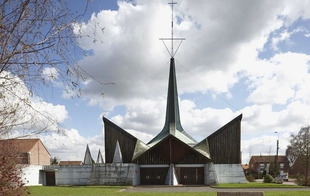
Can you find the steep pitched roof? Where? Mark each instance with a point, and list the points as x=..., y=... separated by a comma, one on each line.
x=114, y=134
x=23, y=145
x=99, y=157
x=172, y=123
x=223, y=128
x=88, y=160
x=224, y=144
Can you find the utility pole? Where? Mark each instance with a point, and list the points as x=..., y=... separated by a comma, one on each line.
x=276, y=166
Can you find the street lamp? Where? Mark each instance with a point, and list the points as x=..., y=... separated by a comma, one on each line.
x=277, y=155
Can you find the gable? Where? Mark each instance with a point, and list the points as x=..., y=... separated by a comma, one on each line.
x=171, y=150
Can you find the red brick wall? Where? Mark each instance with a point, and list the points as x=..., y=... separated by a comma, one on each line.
x=39, y=155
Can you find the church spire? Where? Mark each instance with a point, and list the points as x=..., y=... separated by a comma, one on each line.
x=173, y=123
x=172, y=110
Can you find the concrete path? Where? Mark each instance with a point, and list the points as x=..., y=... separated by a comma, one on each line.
x=204, y=189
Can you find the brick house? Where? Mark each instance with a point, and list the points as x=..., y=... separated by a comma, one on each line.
x=30, y=151
x=70, y=163
x=32, y=155
x=262, y=162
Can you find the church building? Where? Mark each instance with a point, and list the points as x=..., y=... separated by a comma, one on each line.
x=173, y=157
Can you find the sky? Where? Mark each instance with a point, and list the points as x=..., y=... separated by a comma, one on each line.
x=239, y=57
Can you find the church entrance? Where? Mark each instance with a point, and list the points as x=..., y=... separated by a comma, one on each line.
x=153, y=176
x=190, y=175
x=50, y=178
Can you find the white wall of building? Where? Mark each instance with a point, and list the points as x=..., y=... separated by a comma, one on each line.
x=31, y=175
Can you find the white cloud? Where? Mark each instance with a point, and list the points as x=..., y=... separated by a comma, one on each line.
x=221, y=47
x=71, y=146
x=132, y=56
x=263, y=145
x=50, y=73
x=32, y=114
x=201, y=123
x=286, y=75
x=144, y=137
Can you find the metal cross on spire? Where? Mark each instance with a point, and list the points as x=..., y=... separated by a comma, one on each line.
x=172, y=39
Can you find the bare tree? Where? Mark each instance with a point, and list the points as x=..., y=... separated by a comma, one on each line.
x=38, y=48
x=299, y=151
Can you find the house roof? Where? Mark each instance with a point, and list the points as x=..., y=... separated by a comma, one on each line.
x=245, y=166
x=23, y=145
x=268, y=159
x=70, y=162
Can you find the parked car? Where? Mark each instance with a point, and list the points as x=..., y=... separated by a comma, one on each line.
x=283, y=176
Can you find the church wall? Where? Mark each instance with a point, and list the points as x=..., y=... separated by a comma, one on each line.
x=127, y=142
x=229, y=173
x=210, y=174
x=102, y=174
x=72, y=175
x=225, y=144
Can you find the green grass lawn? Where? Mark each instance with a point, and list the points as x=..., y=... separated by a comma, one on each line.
x=74, y=190
x=117, y=191
x=99, y=191
x=257, y=185
x=287, y=193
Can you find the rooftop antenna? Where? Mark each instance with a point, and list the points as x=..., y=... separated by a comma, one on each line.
x=172, y=52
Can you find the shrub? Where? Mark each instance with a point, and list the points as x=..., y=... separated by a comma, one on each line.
x=268, y=179
x=301, y=180
x=278, y=180
x=250, y=178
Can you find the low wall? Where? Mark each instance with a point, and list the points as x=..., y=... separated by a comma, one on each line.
x=112, y=174
x=101, y=174
x=229, y=173
x=72, y=175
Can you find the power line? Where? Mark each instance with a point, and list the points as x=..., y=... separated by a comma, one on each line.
x=189, y=72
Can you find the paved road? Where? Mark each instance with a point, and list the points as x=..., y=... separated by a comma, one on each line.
x=203, y=189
